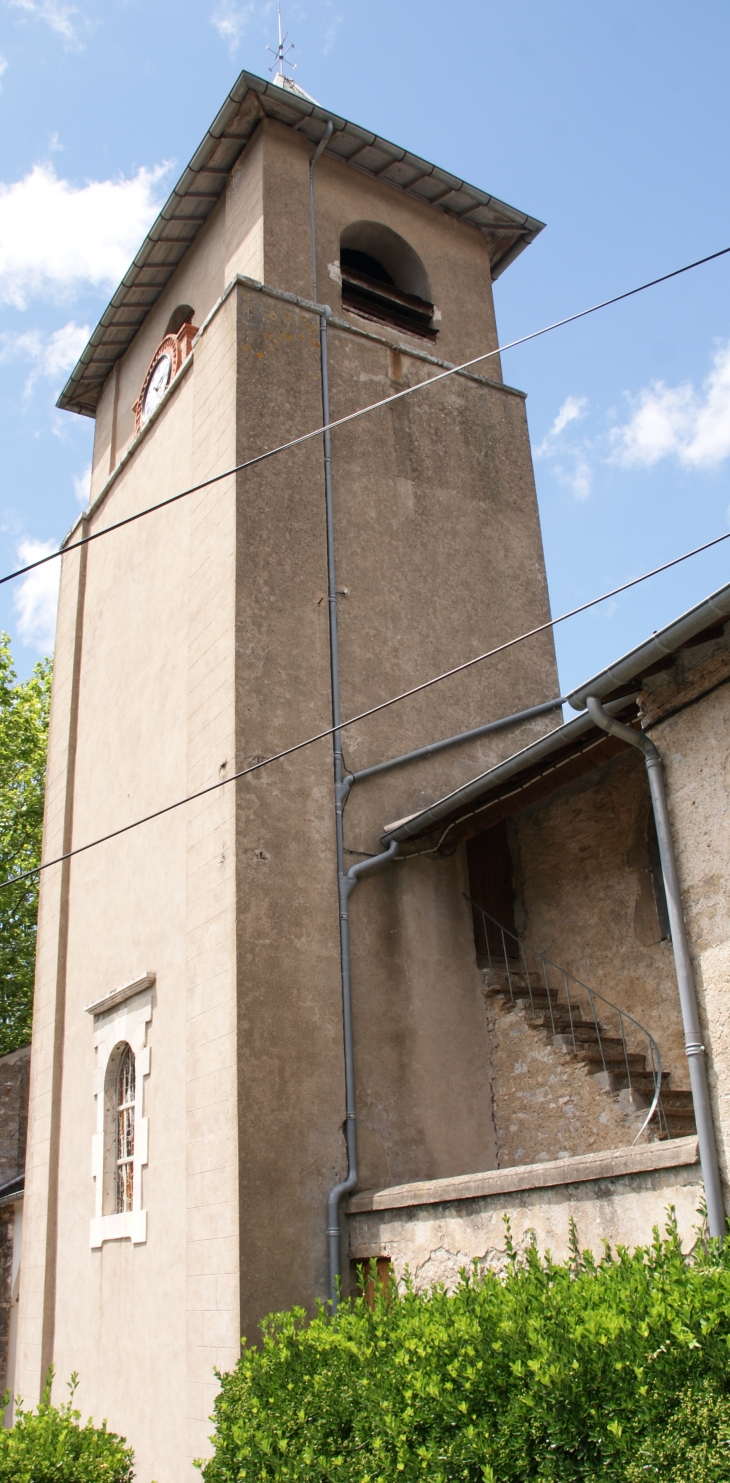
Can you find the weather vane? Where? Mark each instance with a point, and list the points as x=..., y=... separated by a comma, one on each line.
x=281, y=52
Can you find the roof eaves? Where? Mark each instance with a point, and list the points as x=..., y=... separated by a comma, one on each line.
x=12, y=1190
x=420, y=823
x=203, y=182
x=668, y=640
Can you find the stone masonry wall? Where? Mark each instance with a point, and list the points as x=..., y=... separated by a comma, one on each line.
x=545, y=1104
x=585, y=899
x=694, y=743
x=14, y=1080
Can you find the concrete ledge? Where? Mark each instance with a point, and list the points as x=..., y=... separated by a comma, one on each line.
x=117, y=996
x=671, y=1154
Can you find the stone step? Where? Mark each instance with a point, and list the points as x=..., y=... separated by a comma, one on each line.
x=611, y=1051
x=678, y=1126
x=538, y=997
x=624, y=1074
x=536, y=1003
x=642, y=1081
x=678, y=1115
x=558, y=1020
x=522, y=980
x=560, y=1024
x=677, y=1100
x=519, y=980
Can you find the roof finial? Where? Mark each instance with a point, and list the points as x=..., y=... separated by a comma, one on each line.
x=281, y=53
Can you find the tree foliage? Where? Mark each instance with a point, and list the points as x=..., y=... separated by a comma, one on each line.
x=50, y=1445
x=24, y=710
x=614, y=1370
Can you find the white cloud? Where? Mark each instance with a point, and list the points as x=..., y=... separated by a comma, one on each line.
x=232, y=21
x=571, y=465
x=577, y=475
x=36, y=598
x=330, y=35
x=3, y=65
x=51, y=355
x=57, y=16
x=679, y=422
x=573, y=408
x=82, y=486
x=64, y=347
x=56, y=238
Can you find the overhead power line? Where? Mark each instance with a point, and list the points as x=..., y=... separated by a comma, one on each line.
x=362, y=715
x=396, y=396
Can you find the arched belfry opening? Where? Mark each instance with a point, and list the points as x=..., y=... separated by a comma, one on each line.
x=384, y=279
x=182, y=314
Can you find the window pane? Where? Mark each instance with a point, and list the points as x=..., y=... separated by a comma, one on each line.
x=125, y=1130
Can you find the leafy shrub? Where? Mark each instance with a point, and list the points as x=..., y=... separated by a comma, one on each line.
x=573, y=1372
x=694, y=1447
x=50, y=1446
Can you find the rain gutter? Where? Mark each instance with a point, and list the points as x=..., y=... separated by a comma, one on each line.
x=714, y=609
x=539, y=751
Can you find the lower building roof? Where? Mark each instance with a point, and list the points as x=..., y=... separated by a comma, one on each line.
x=567, y=752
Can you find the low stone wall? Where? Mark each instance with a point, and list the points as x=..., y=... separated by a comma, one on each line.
x=442, y=1225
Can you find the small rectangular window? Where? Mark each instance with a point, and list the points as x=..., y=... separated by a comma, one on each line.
x=365, y=1273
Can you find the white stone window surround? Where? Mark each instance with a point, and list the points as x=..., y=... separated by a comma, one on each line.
x=123, y=1015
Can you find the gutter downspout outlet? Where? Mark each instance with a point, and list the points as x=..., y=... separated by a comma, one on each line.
x=694, y=1048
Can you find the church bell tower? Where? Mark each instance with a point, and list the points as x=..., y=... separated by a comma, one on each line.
x=189, y=1115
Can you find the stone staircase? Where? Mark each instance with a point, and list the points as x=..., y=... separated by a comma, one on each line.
x=617, y=1071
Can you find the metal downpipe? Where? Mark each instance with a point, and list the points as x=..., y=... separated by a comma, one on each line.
x=324, y=141
x=693, y=1045
x=347, y=884
x=462, y=736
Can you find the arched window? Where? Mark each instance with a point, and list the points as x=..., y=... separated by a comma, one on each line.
x=120, y=1145
x=124, y=1110
x=384, y=279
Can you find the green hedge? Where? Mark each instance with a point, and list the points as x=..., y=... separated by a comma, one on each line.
x=617, y=1370
x=49, y=1445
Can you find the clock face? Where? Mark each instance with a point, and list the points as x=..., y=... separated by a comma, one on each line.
x=157, y=386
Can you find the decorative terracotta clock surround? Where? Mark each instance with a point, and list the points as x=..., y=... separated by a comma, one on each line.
x=178, y=348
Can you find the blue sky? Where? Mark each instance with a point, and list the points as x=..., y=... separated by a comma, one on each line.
x=608, y=122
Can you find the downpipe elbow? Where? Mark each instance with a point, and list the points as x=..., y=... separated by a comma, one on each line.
x=601, y=718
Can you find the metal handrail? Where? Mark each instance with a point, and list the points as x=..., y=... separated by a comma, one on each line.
x=593, y=995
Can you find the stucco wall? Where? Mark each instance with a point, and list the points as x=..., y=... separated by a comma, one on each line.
x=454, y=253
x=422, y=1055
x=126, y=914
